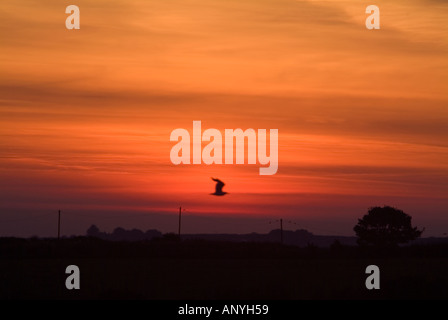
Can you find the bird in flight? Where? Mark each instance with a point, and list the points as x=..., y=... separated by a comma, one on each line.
x=218, y=188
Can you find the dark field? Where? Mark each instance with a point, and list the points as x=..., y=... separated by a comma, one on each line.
x=35, y=269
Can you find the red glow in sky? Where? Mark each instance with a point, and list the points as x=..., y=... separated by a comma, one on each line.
x=86, y=115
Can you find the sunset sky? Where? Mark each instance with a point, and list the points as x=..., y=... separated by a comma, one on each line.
x=86, y=115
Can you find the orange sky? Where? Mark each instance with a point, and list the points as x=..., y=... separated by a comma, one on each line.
x=86, y=115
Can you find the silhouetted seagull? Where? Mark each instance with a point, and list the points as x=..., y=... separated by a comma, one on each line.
x=218, y=188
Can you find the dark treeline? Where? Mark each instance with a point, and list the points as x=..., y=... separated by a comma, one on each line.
x=298, y=237
x=120, y=234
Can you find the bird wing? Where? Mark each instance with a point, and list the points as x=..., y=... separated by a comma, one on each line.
x=219, y=185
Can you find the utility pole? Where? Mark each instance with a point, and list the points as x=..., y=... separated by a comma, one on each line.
x=281, y=228
x=59, y=224
x=180, y=216
x=281, y=231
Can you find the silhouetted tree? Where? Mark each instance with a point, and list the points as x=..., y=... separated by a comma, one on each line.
x=119, y=234
x=93, y=231
x=385, y=226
